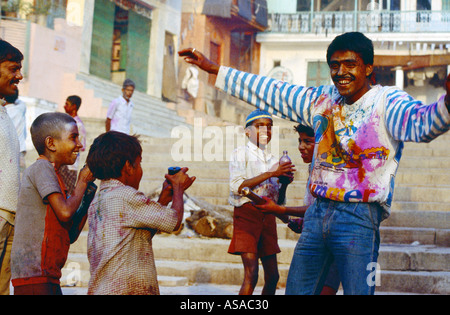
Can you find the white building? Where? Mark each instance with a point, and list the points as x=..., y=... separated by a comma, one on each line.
x=88, y=48
x=411, y=40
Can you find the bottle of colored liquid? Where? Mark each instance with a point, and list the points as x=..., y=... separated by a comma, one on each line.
x=285, y=158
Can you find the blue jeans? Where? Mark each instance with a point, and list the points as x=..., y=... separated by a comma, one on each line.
x=343, y=232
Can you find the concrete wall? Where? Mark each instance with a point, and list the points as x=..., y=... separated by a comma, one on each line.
x=52, y=54
x=56, y=56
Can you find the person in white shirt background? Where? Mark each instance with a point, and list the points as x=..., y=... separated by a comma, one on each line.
x=17, y=110
x=118, y=117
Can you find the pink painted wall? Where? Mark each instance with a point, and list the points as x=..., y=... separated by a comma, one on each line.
x=54, y=61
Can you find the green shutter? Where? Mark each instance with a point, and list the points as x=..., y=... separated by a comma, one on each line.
x=445, y=5
x=102, y=37
x=318, y=74
x=138, y=49
x=324, y=74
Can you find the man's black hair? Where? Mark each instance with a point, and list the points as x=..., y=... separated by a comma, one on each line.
x=9, y=53
x=352, y=41
x=302, y=128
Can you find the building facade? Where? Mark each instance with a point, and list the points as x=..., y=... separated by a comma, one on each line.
x=225, y=31
x=411, y=40
x=88, y=48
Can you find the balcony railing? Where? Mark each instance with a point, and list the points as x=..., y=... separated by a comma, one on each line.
x=362, y=21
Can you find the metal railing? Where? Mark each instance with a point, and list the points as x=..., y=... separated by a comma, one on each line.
x=362, y=21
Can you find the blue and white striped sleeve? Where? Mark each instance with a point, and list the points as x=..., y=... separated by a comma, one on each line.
x=278, y=98
x=411, y=120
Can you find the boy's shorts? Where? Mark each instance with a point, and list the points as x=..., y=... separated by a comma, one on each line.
x=38, y=289
x=254, y=232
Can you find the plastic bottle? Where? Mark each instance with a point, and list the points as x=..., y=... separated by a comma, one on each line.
x=174, y=169
x=285, y=158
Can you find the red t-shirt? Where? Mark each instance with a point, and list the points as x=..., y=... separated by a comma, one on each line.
x=41, y=242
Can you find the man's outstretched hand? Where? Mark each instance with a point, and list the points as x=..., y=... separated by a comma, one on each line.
x=194, y=57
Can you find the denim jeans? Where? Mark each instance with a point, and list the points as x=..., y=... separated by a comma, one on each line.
x=343, y=232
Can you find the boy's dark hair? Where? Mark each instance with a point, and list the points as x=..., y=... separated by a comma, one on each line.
x=302, y=128
x=48, y=125
x=75, y=100
x=352, y=41
x=9, y=53
x=110, y=151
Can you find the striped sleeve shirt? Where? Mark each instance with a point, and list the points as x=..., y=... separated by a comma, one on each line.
x=358, y=146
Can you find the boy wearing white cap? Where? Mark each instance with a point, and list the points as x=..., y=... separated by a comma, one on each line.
x=255, y=234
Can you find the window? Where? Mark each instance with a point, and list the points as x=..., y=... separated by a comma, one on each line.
x=334, y=5
x=446, y=5
x=423, y=5
x=303, y=5
x=325, y=5
x=384, y=76
x=241, y=50
x=318, y=73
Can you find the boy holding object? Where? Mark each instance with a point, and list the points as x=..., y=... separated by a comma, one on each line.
x=44, y=218
x=254, y=233
x=122, y=220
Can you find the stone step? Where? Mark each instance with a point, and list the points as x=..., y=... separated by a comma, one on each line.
x=202, y=260
x=189, y=272
x=392, y=257
x=235, y=135
x=220, y=188
x=420, y=206
x=183, y=273
x=208, y=171
x=284, y=137
x=151, y=155
x=393, y=235
x=211, y=289
x=76, y=273
x=147, y=107
x=416, y=282
x=397, y=205
x=402, y=227
x=419, y=219
x=170, y=247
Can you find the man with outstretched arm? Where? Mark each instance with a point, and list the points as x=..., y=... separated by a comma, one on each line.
x=360, y=130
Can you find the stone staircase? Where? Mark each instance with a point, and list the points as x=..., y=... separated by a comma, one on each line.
x=163, y=118
x=415, y=248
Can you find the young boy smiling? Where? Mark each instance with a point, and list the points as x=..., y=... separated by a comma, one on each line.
x=44, y=214
x=254, y=233
x=306, y=145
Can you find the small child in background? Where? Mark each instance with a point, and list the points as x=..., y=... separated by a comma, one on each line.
x=44, y=218
x=69, y=172
x=122, y=220
x=255, y=233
